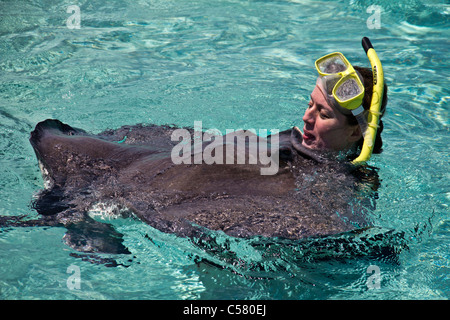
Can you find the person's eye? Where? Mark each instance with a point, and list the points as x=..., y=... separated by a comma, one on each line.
x=324, y=115
x=310, y=104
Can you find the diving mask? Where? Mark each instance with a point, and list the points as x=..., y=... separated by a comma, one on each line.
x=341, y=83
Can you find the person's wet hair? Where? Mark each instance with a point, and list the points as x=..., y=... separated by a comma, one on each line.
x=367, y=76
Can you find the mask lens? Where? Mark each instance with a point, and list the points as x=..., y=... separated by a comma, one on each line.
x=348, y=89
x=332, y=65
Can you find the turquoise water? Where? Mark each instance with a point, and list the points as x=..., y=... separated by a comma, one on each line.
x=231, y=64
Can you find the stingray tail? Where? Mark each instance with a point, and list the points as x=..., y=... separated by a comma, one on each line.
x=7, y=222
x=88, y=236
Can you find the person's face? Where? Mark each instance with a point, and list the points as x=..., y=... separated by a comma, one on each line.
x=325, y=127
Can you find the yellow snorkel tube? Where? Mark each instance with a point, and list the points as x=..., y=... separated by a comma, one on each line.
x=375, y=104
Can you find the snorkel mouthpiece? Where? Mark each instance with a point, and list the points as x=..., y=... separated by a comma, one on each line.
x=375, y=104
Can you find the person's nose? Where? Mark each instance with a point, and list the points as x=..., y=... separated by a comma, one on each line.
x=308, y=117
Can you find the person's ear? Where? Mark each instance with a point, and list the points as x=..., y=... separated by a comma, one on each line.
x=356, y=134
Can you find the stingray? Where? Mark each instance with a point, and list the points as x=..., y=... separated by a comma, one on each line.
x=312, y=195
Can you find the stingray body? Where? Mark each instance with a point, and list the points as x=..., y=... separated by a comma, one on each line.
x=131, y=168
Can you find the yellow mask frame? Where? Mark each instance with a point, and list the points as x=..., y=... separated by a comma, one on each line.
x=339, y=78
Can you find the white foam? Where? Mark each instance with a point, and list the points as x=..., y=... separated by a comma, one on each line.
x=48, y=182
x=107, y=211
